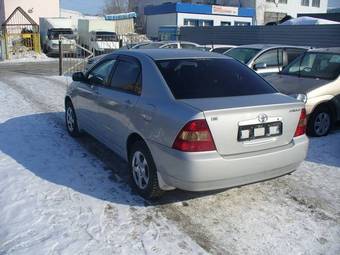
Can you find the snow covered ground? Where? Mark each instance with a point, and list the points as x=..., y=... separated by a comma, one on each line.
x=59, y=195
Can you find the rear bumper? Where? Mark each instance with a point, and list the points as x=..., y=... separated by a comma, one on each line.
x=210, y=171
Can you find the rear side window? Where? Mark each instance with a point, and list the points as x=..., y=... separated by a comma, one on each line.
x=127, y=77
x=207, y=78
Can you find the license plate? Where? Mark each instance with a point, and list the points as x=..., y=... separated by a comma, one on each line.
x=263, y=130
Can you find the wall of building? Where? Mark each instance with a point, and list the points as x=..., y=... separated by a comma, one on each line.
x=34, y=8
x=153, y=22
x=217, y=19
x=292, y=8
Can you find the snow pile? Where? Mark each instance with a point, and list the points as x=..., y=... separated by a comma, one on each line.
x=56, y=197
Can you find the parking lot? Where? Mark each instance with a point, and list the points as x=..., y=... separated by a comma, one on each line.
x=60, y=194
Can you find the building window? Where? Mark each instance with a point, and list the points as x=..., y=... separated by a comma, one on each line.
x=225, y=23
x=191, y=22
x=198, y=23
x=316, y=3
x=283, y=1
x=305, y=2
x=241, y=23
x=205, y=23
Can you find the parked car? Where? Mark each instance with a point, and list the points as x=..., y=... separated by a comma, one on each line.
x=314, y=77
x=187, y=119
x=221, y=48
x=266, y=58
x=170, y=45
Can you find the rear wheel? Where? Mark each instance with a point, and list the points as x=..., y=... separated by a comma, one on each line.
x=71, y=120
x=143, y=171
x=320, y=122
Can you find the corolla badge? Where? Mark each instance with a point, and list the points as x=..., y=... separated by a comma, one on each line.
x=262, y=117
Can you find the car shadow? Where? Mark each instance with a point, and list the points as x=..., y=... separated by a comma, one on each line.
x=325, y=150
x=41, y=144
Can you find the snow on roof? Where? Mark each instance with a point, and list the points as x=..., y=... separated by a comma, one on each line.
x=309, y=21
x=119, y=16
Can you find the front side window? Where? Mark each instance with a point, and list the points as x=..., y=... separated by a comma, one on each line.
x=100, y=74
x=315, y=65
x=270, y=58
x=225, y=23
x=170, y=46
x=208, y=78
x=127, y=77
x=188, y=46
x=242, y=54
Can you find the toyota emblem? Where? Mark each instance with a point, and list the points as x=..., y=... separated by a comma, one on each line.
x=262, y=117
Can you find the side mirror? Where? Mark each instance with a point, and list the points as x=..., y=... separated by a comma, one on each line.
x=79, y=76
x=260, y=66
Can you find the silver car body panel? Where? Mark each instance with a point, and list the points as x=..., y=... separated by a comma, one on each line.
x=112, y=116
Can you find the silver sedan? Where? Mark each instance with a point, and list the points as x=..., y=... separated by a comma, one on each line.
x=187, y=119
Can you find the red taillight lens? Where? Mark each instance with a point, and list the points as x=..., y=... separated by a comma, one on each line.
x=301, y=127
x=194, y=136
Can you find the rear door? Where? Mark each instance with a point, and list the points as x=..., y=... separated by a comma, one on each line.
x=116, y=101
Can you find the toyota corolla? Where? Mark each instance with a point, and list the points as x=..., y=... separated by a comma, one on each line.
x=187, y=119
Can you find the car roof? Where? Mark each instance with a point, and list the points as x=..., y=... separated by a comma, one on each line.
x=163, y=54
x=326, y=50
x=268, y=46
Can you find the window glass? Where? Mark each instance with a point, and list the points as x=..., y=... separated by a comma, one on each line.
x=225, y=23
x=207, y=78
x=315, y=65
x=316, y=3
x=170, y=46
x=270, y=58
x=241, y=23
x=242, y=54
x=305, y=2
x=100, y=74
x=127, y=77
x=188, y=46
x=221, y=49
x=293, y=54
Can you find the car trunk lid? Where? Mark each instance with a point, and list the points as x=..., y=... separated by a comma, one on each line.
x=230, y=118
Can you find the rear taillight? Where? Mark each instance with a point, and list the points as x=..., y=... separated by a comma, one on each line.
x=301, y=127
x=195, y=136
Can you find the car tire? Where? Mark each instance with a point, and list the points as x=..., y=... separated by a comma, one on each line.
x=71, y=120
x=320, y=122
x=143, y=172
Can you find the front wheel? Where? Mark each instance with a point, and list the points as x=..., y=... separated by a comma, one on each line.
x=143, y=171
x=320, y=122
x=71, y=120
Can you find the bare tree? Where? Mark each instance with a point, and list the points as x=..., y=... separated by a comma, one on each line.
x=115, y=6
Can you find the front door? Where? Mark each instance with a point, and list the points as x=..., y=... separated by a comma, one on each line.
x=88, y=94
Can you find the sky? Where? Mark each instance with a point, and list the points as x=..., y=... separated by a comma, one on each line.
x=84, y=6
x=95, y=6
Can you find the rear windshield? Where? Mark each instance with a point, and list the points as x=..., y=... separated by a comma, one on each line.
x=242, y=54
x=207, y=78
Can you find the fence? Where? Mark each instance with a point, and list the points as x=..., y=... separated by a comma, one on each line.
x=20, y=35
x=303, y=35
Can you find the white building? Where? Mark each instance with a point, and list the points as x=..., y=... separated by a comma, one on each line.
x=274, y=10
x=185, y=14
x=34, y=8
